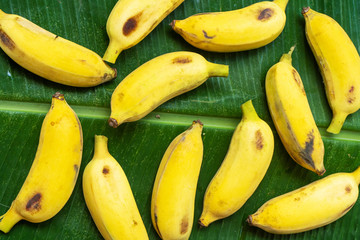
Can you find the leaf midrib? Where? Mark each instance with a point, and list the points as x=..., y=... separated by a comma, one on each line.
x=159, y=118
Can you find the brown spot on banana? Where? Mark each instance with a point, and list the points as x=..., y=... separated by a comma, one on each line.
x=76, y=169
x=348, y=189
x=351, y=97
x=298, y=81
x=34, y=203
x=106, y=170
x=259, y=140
x=56, y=37
x=135, y=222
x=131, y=24
x=207, y=36
x=181, y=60
x=184, y=225
x=306, y=153
x=6, y=40
x=265, y=14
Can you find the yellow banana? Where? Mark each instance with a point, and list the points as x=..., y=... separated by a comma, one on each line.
x=51, y=56
x=242, y=170
x=292, y=115
x=54, y=172
x=157, y=81
x=248, y=28
x=109, y=197
x=339, y=62
x=173, y=197
x=312, y=206
x=131, y=21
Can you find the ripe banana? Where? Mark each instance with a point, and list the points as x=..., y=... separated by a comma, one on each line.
x=157, y=81
x=131, y=21
x=242, y=170
x=292, y=115
x=339, y=62
x=51, y=56
x=54, y=172
x=173, y=197
x=109, y=197
x=248, y=28
x=312, y=206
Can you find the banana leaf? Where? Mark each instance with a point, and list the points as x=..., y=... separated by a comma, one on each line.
x=138, y=146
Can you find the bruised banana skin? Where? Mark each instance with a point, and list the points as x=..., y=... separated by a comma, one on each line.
x=55, y=169
x=109, y=197
x=248, y=28
x=131, y=21
x=50, y=56
x=246, y=162
x=312, y=206
x=339, y=63
x=292, y=115
x=157, y=81
x=172, y=204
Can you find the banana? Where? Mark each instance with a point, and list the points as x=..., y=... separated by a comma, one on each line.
x=131, y=21
x=173, y=197
x=248, y=28
x=157, y=81
x=51, y=56
x=339, y=62
x=54, y=172
x=109, y=197
x=292, y=115
x=312, y=206
x=242, y=170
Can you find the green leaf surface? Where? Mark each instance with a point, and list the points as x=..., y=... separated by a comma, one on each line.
x=25, y=98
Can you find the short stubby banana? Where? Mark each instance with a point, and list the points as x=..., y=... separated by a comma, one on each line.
x=55, y=169
x=109, y=197
x=157, y=81
x=292, y=115
x=245, y=165
x=131, y=21
x=51, y=56
x=312, y=206
x=339, y=63
x=173, y=197
x=248, y=28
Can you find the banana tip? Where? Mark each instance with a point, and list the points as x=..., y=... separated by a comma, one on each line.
x=320, y=172
x=172, y=24
x=202, y=225
x=305, y=10
x=113, y=123
x=58, y=95
x=249, y=220
x=198, y=121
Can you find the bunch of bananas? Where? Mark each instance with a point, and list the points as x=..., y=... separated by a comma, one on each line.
x=107, y=191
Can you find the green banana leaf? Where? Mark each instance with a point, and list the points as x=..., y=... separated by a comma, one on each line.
x=25, y=98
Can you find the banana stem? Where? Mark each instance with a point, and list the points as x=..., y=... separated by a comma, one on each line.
x=112, y=52
x=356, y=174
x=101, y=147
x=249, y=111
x=218, y=70
x=281, y=3
x=8, y=220
x=287, y=56
x=337, y=122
